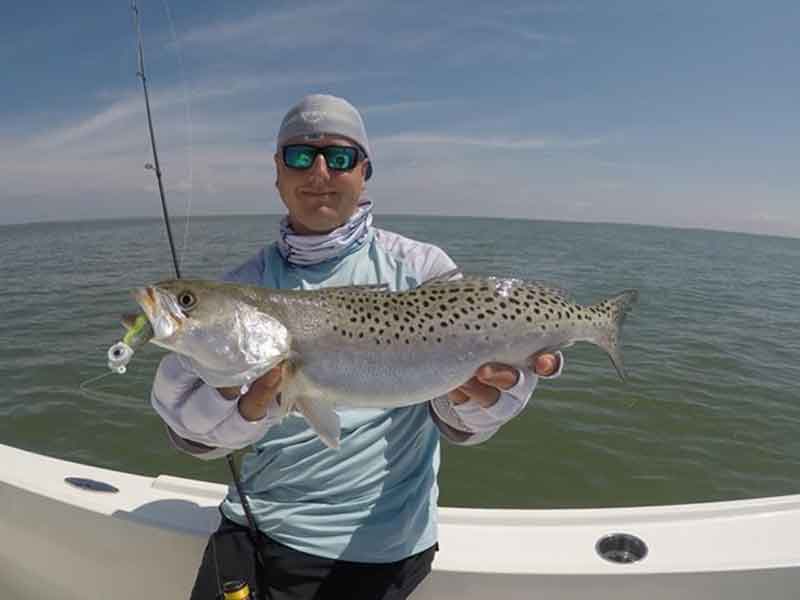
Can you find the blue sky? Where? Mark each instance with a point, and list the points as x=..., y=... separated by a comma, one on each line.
x=680, y=114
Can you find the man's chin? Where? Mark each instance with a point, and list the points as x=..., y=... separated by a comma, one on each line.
x=318, y=225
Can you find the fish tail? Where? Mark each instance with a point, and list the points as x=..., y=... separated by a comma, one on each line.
x=609, y=337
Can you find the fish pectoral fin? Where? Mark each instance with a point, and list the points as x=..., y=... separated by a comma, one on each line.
x=322, y=419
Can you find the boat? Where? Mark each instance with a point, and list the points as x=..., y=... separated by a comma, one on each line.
x=70, y=531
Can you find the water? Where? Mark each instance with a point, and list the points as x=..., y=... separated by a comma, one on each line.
x=710, y=411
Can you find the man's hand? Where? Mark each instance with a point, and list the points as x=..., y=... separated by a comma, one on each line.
x=492, y=378
x=253, y=405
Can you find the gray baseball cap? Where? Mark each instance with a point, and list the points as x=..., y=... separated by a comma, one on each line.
x=318, y=114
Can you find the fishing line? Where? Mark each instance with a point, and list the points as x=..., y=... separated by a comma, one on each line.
x=187, y=105
x=103, y=396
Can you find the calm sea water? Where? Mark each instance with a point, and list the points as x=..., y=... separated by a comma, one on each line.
x=711, y=410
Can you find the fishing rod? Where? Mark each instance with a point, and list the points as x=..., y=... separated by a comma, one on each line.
x=157, y=167
x=141, y=74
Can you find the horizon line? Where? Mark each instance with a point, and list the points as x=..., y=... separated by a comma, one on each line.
x=175, y=218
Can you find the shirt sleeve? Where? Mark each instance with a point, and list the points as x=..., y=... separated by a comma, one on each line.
x=469, y=423
x=198, y=413
x=200, y=421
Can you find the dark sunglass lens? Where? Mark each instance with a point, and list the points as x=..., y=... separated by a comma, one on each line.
x=298, y=157
x=341, y=159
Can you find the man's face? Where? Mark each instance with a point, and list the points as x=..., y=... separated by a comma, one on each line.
x=319, y=199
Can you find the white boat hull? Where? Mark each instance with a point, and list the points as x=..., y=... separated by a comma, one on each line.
x=65, y=543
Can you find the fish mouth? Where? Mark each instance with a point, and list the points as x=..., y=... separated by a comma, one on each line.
x=162, y=310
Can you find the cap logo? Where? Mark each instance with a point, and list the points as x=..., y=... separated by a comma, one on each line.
x=312, y=116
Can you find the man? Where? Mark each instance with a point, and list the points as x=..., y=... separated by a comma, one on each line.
x=358, y=522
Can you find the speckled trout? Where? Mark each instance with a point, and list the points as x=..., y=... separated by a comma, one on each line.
x=365, y=346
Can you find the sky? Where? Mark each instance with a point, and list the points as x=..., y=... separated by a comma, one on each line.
x=680, y=113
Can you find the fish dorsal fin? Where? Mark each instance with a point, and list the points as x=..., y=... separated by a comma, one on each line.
x=445, y=277
x=504, y=285
x=322, y=419
x=367, y=287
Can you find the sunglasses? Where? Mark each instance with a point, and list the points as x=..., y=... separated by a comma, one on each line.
x=338, y=158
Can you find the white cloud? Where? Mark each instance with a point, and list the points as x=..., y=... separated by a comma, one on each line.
x=487, y=141
x=409, y=105
x=309, y=22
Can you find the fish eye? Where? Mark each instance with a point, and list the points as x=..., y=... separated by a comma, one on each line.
x=187, y=300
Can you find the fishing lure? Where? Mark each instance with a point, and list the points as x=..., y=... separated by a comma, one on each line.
x=139, y=333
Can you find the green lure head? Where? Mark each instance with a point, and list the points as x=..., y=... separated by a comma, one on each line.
x=139, y=330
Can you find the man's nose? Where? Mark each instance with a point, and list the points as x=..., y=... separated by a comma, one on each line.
x=319, y=168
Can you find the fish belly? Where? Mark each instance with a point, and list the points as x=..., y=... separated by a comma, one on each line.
x=358, y=376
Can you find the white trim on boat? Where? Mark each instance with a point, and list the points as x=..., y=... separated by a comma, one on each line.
x=59, y=541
